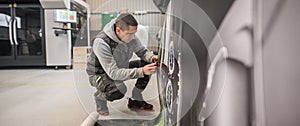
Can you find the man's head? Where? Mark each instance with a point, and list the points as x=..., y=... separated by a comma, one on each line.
x=126, y=27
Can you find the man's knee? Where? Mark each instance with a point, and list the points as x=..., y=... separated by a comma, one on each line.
x=141, y=86
x=110, y=90
x=115, y=92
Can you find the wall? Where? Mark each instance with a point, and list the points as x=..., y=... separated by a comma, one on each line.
x=281, y=62
x=153, y=21
x=102, y=6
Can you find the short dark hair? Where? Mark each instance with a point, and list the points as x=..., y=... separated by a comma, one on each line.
x=124, y=20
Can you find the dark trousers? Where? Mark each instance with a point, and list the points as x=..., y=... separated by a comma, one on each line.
x=141, y=83
x=118, y=88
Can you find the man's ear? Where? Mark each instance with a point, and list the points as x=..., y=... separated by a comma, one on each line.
x=118, y=29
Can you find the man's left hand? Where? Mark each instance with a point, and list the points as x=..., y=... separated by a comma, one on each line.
x=154, y=58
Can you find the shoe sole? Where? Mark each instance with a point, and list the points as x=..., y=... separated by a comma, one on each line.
x=104, y=114
x=140, y=108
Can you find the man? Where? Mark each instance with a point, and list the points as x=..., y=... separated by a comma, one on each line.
x=108, y=64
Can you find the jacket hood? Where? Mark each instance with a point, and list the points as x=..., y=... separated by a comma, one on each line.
x=110, y=32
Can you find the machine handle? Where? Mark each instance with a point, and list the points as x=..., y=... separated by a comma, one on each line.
x=10, y=32
x=15, y=31
x=222, y=54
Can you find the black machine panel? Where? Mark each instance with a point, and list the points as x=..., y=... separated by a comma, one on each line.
x=22, y=35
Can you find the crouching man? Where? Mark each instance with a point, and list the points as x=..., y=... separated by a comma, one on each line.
x=108, y=64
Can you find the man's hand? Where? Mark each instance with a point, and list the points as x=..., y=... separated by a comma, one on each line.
x=149, y=69
x=154, y=59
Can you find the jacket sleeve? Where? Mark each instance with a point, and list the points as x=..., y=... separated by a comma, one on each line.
x=142, y=52
x=103, y=52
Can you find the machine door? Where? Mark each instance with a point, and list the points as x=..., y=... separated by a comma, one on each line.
x=6, y=43
x=22, y=42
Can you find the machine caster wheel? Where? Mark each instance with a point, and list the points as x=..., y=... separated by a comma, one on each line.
x=56, y=68
x=68, y=67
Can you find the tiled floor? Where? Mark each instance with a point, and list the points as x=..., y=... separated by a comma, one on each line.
x=47, y=97
x=41, y=97
x=118, y=109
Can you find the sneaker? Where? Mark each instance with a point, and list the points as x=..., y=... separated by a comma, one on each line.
x=141, y=105
x=104, y=114
x=102, y=108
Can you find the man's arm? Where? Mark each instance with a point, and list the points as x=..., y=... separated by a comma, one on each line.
x=105, y=56
x=144, y=53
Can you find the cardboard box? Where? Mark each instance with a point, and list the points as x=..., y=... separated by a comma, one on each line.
x=80, y=55
x=79, y=65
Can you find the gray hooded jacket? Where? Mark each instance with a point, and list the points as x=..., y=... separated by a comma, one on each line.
x=115, y=64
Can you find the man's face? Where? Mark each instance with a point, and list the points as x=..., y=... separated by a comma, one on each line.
x=126, y=35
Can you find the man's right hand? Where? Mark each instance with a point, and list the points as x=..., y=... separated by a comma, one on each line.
x=149, y=69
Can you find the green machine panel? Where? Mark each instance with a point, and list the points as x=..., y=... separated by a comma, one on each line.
x=106, y=18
